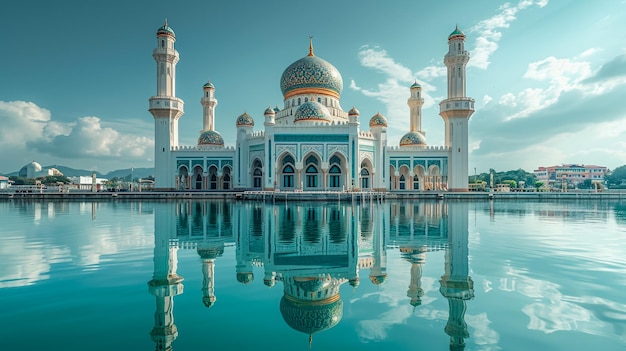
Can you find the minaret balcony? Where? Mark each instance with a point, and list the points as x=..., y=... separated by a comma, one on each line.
x=459, y=103
x=168, y=103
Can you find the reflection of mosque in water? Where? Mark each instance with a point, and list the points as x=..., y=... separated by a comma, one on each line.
x=312, y=249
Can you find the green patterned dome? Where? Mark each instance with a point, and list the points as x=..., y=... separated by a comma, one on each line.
x=311, y=74
x=312, y=284
x=209, y=85
x=415, y=85
x=413, y=138
x=312, y=111
x=245, y=120
x=378, y=120
x=378, y=279
x=245, y=277
x=456, y=33
x=211, y=252
x=210, y=137
x=311, y=316
x=166, y=30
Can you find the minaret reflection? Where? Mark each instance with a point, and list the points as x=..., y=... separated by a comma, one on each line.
x=456, y=284
x=165, y=283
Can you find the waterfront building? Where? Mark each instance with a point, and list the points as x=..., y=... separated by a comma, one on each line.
x=310, y=143
x=34, y=170
x=555, y=176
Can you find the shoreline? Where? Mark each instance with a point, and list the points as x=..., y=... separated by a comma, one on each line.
x=311, y=196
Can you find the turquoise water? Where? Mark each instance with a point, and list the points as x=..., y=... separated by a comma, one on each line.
x=321, y=276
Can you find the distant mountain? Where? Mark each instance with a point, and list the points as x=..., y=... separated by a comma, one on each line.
x=120, y=173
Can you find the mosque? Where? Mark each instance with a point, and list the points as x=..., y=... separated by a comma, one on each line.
x=311, y=143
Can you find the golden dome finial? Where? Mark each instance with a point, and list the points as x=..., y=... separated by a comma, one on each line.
x=311, y=46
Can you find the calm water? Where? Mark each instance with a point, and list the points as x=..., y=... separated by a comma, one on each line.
x=298, y=276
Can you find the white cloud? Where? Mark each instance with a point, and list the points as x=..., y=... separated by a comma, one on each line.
x=489, y=33
x=29, y=129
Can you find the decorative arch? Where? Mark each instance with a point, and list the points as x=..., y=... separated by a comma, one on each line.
x=312, y=166
x=366, y=174
x=393, y=179
x=404, y=178
x=286, y=171
x=197, y=179
x=212, y=178
x=418, y=178
x=256, y=171
x=182, y=180
x=337, y=171
x=434, y=179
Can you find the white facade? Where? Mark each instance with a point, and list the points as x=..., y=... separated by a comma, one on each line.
x=311, y=143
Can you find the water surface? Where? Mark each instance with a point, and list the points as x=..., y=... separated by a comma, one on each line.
x=323, y=276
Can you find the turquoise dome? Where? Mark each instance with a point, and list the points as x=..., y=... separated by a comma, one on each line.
x=210, y=137
x=209, y=85
x=311, y=73
x=165, y=30
x=312, y=111
x=310, y=317
x=456, y=33
x=211, y=252
x=415, y=85
x=245, y=120
x=378, y=120
x=378, y=279
x=245, y=277
x=413, y=138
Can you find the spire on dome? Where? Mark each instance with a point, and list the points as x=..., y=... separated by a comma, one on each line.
x=311, y=46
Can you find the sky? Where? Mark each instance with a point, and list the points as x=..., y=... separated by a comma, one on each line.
x=548, y=76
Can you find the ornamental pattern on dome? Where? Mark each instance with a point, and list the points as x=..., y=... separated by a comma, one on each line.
x=312, y=111
x=378, y=120
x=412, y=138
x=378, y=279
x=311, y=72
x=245, y=120
x=311, y=316
x=210, y=137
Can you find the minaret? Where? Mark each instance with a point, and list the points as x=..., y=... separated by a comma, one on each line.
x=208, y=282
x=165, y=107
x=456, y=284
x=415, y=102
x=456, y=111
x=208, y=102
x=165, y=283
x=417, y=257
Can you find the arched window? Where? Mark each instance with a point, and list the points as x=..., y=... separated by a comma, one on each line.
x=335, y=160
x=416, y=182
x=213, y=180
x=288, y=176
x=298, y=101
x=162, y=43
x=402, y=182
x=257, y=174
x=335, y=176
x=311, y=176
x=319, y=99
x=226, y=179
x=365, y=178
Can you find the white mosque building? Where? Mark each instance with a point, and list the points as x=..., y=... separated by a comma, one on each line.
x=311, y=143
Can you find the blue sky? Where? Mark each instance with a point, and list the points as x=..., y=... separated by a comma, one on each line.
x=548, y=76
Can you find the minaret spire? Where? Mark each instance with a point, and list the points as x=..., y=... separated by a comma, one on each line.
x=311, y=46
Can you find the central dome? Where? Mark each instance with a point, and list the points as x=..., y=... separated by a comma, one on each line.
x=311, y=74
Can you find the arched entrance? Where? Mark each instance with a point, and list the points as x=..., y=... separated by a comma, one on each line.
x=312, y=172
x=287, y=172
x=257, y=174
x=182, y=179
x=198, y=180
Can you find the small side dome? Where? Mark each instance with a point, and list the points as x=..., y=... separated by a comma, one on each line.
x=210, y=137
x=276, y=109
x=378, y=120
x=312, y=111
x=245, y=277
x=210, y=252
x=165, y=30
x=209, y=301
x=416, y=85
x=209, y=85
x=413, y=139
x=269, y=111
x=353, y=112
x=378, y=279
x=457, y=33
x=245, y=120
